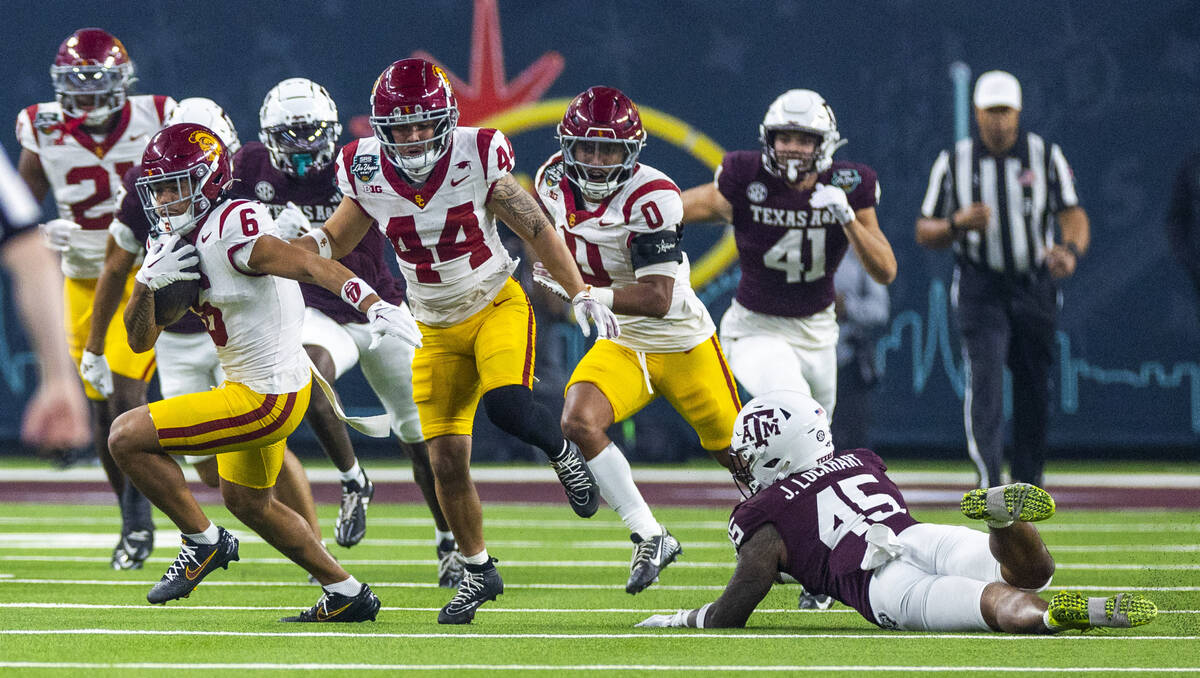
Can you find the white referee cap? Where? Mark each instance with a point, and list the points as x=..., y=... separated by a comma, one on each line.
x=997, y=88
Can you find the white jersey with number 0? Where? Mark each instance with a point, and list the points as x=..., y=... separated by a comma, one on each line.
x=600, y=237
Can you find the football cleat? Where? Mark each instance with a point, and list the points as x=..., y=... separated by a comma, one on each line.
x=1072, y=610
x=133, y=549
x=352, y=516
x=1003, y=505
x=582, y=492
x=650, y=556
x=814, y=601
x=192, y=565
x=450, y=564
x=334, y=607
x=475, y=589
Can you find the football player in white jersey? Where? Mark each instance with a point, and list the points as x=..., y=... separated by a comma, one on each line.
x=621, y=221
x=253, y=313
x=187, y=358
x=78, y=147
x=292, y=172
x=436, y=189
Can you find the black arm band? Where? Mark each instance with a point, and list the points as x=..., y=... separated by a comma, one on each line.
x=659, y=247
x=1073, y=249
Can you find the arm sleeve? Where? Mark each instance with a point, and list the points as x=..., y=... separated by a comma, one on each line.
x=237, y=243
x=653, y=218
x=26, y=135
x=726, y=178
x=495, y=154
x=938, y=202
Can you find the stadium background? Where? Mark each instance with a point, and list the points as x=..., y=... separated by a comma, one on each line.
x=1117, y=85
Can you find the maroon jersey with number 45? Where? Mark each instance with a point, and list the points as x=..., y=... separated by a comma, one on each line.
x=822, y=516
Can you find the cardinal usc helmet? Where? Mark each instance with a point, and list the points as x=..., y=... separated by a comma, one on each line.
x=185, y=168
x=411, y=98
x=298, y=123
x=777, y=435
x=91, y=74
x=799, y=110
x=206, y=112
x=601, y=136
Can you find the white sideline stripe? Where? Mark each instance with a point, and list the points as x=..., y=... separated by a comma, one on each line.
x=595, y=667
x=597, y=523
x=685, y=564
x=881, y=635
x=538, y=610
x=542, y=473
x=167, y=538
x=556, y=587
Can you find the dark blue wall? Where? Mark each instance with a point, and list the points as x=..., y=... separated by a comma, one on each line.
x=1116, y=84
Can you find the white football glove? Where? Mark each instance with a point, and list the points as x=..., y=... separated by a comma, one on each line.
x=57, y=233
x=542, y=277
x=391, y=320
x=95, y=371
x=833, y=198
x=164, y=264
x=664, y=620
x=291, y=222
x=588, y=308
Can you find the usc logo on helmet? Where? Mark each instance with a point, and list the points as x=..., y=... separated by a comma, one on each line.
x=207, y=142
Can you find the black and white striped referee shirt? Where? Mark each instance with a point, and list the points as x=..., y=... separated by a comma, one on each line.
x=1025, y=189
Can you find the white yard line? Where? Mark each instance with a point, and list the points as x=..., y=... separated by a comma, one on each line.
x=557, y=668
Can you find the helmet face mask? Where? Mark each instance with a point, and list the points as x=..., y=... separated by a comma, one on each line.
x=413, y=95
x=299, y=126
x=601, y=136
x=185, y=168
x=805, y=111
x=91, y=76
x=776, y=435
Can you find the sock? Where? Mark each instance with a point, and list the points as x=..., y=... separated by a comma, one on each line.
x=355, y=473
x=480, y=558
x=615, y=479
x=439, y=536
x=350, y=587
x=209, y=536
x=1046, y=621
x=135, y=509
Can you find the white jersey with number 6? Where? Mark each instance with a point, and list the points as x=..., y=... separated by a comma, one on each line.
x=254, y=319
x=444, y=236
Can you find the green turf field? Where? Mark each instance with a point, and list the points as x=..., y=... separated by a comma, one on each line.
x=565, y=609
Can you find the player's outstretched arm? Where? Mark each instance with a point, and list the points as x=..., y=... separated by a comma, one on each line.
x=521, y=213
x=340, y=234
x=704, y=203
x=759, y=561
x=109, y=288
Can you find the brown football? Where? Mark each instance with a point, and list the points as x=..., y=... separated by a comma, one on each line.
x=172, y=301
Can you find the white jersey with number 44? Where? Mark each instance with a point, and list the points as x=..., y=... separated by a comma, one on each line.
x=444, y=236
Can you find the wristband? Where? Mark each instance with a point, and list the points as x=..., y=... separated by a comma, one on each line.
x=954, y=228
x=324, y=247
x=1073, y=249
x=604, y=295
x=355, y=290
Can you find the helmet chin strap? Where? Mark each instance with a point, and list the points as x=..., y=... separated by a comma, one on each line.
x=794, y=173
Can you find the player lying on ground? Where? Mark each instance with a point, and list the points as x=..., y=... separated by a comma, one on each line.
x=840, y=526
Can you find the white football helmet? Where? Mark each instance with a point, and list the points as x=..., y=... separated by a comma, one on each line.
x=777, y=435
x=801, y=110
x=298, y=123
x=207, y=112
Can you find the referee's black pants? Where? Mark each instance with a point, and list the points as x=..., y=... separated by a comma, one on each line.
x=1006, y=321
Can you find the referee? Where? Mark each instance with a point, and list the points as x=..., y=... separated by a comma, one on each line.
x=996, y=198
